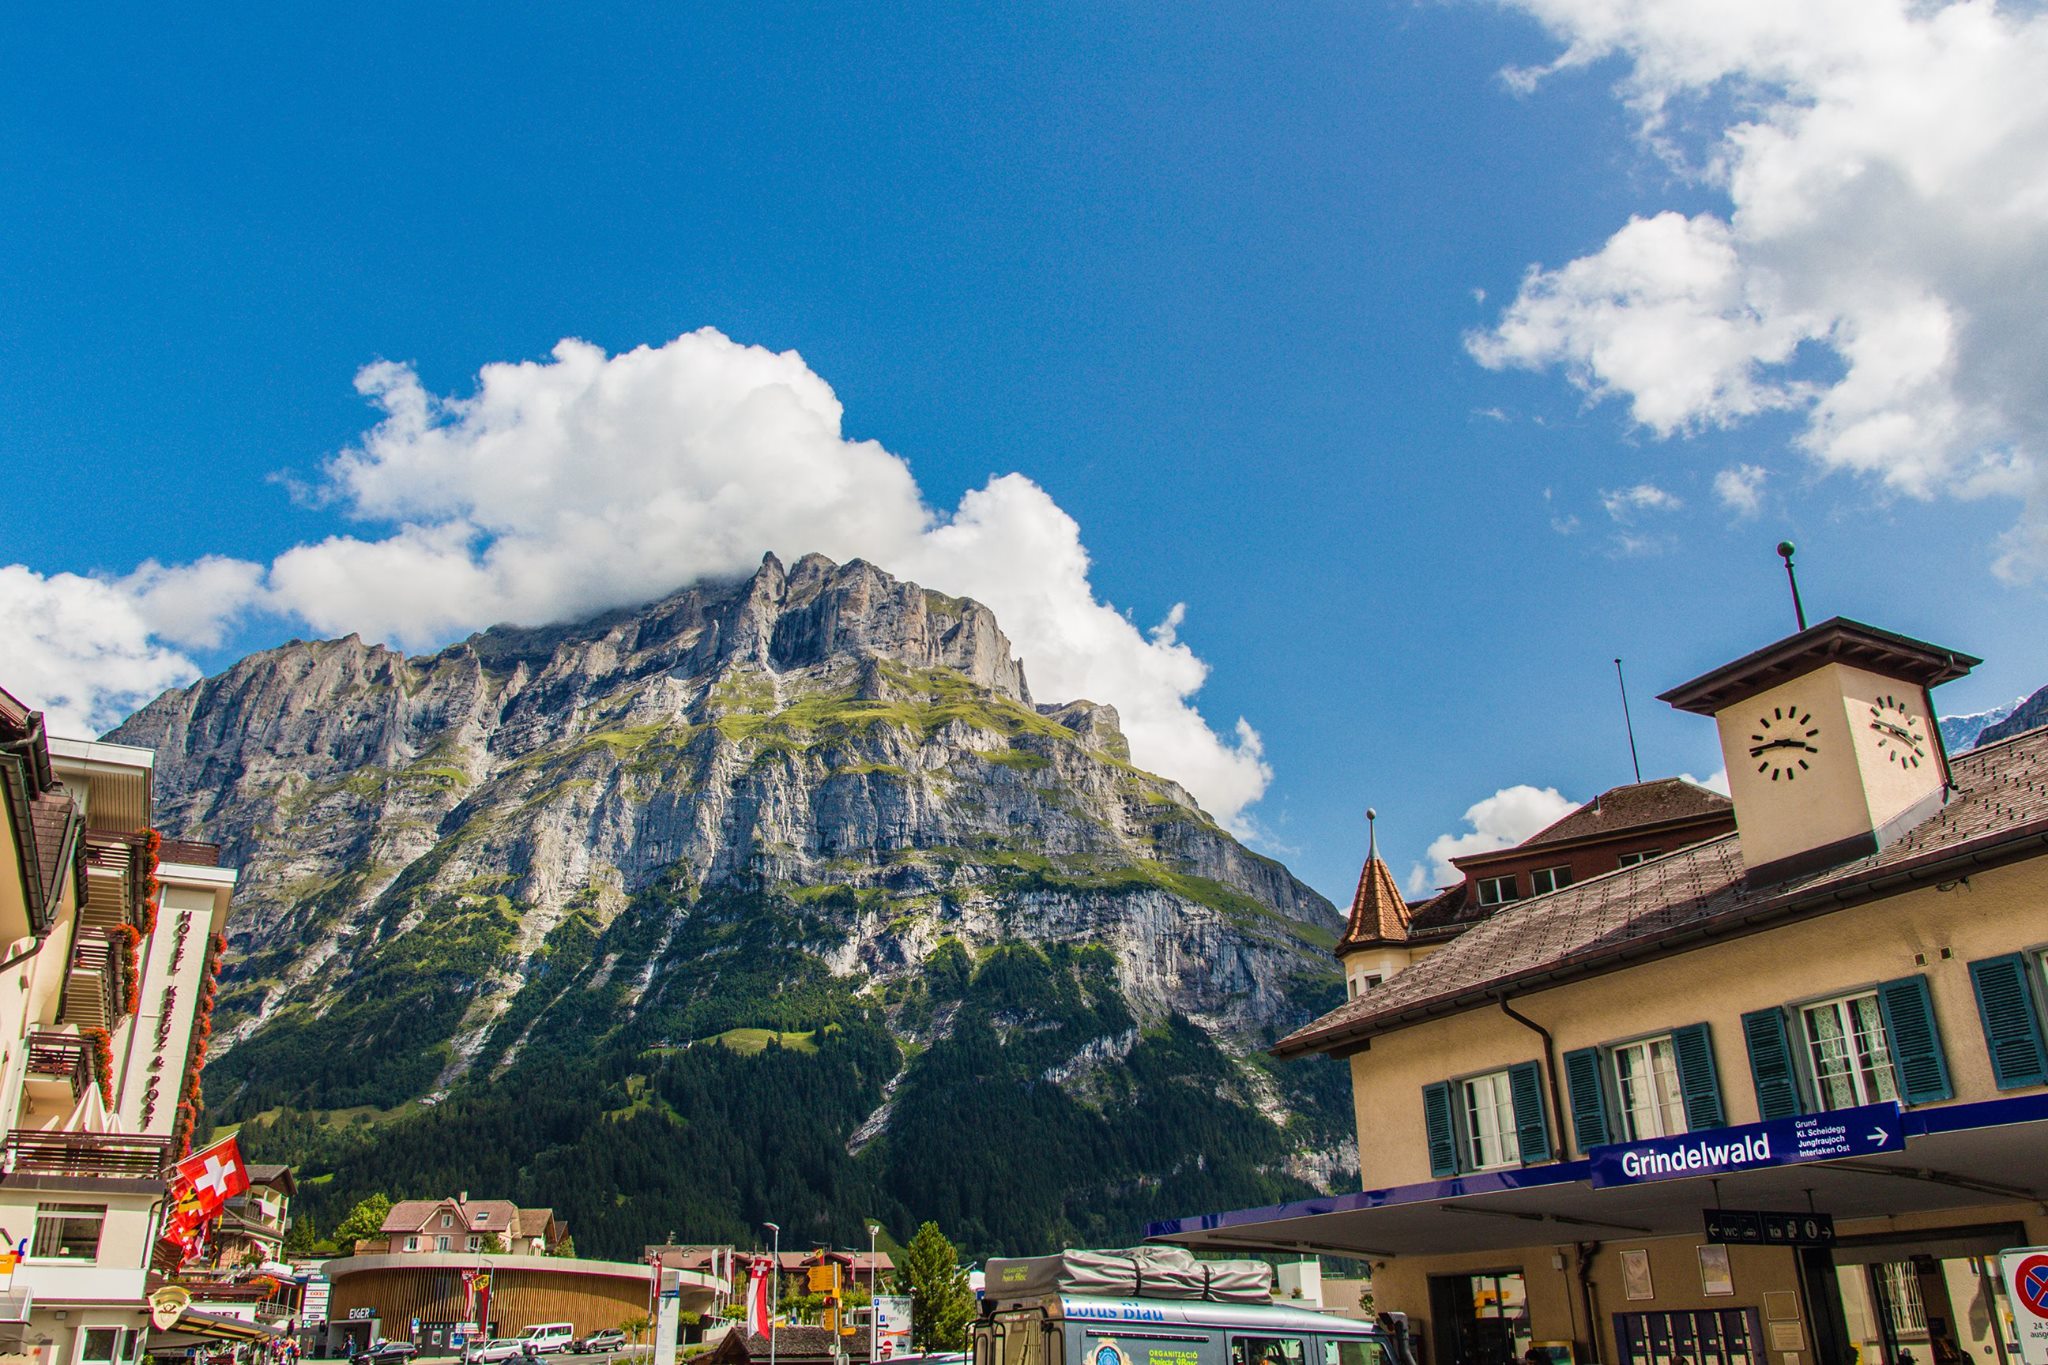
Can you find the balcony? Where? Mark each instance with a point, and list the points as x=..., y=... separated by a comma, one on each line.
x=116, y=881
x=92, y=989
x=86, y=1156
x=55, y=1059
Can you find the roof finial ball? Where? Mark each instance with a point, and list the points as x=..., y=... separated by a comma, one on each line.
x=1785, y=550
x=1371, y=839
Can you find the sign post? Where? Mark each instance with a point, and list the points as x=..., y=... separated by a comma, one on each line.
x=2026, y=1279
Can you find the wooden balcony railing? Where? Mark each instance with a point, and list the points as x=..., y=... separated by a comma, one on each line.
x=114, y=1156
x=92, y=988
x=64, y=1055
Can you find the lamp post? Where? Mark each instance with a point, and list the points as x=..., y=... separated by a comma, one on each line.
x=774, y=1287
x=874, y=1292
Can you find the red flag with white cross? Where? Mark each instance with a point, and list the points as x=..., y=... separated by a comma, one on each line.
x=215, y=1175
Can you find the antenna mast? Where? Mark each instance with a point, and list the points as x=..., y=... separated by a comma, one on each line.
x=1785, y=549
x=1626, y=720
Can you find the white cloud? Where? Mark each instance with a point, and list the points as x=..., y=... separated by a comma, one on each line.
x=80, y=649
x=1741, y=488
x=587, y=481
x=1623, y=504
x=1502, y=820
x=1718, y=782
x=1885, y=216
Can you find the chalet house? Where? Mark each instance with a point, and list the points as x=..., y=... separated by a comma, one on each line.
x=466, y=1225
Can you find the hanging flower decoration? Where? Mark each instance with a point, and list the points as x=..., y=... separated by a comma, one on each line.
x=102, y=1044
x=152, y=889
x=131, y=966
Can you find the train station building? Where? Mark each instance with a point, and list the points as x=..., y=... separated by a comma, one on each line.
x=1775, y=1097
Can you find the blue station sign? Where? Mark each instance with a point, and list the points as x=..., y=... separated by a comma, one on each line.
x=1780, y=1142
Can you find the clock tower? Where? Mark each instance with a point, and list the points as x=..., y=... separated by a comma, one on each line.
x=1831, y=742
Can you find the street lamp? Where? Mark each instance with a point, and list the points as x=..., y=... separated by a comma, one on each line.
x=774, y=1287
x=874, y=1292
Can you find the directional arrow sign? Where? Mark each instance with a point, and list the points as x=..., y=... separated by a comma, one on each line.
x=1781, y=1142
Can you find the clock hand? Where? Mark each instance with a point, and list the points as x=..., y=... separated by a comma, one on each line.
x=1787, y=743
x=1900, y=733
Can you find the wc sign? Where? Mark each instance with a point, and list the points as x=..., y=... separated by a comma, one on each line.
x=2025, y=1270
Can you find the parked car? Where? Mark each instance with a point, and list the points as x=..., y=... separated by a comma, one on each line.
x=495, y=1351
x=386, y=1353
x=609, y=1340
x=545, y=1338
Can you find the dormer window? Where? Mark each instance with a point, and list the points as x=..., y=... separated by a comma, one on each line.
x=1499, y=890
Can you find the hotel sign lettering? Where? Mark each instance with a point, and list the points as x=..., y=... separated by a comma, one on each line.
x=1830, y=1136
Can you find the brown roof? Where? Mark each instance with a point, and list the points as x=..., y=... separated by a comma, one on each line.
x=477, y=1215
x=791, y=1343
x=1668, y=904
x=1379, y=914
x=1631, y=807
x=267, y=1173
x=1836, y=640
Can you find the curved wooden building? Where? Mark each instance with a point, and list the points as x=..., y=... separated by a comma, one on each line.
x=395, y=1290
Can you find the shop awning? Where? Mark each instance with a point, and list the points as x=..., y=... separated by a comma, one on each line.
x=199, y=1329
x=1957, y=1156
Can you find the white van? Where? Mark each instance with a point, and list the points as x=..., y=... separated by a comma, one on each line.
x=545, y=1338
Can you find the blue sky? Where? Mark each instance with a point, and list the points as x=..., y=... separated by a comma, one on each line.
x=1209, y=277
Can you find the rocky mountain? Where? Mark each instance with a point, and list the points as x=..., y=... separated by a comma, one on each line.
x=2022, y=716
x=775, y=899
x=1960, y=732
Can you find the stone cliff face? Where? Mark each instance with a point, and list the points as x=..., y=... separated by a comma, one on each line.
x=825, y=737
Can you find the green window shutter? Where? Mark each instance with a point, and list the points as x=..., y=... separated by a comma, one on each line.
x=1588, y=1096
x=1443, y=1133
x=1525, y=1084
x=2012, y=1021
x=1698, y=1080
x=1914, y=1040
x=1770, y=1064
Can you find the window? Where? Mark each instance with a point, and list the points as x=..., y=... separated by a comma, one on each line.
x=103, y=1345
x=483, y=1216
x=442, y=1243
x=1498, y=890
x=1545, y=880
x=1491, y=1139
x=70, y=1231
x=447, y=1220
x=1355, y=1352
x=1846, y=1052
x=412, y=1244
x=1646, y=1090
x=1267, y=1351
x=1641, y=856
x=474, y=1243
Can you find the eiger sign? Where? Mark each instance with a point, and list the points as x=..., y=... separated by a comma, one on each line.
x=1752, y=1146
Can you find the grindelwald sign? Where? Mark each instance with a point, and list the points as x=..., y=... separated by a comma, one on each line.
x=1780, y=1142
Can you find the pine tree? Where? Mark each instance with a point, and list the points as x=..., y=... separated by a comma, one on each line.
x=941, y=1304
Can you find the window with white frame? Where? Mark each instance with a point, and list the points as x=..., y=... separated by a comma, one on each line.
x=69, y=1232
x=1498, y=890
x=412, y=1244
x=1545, y=880
x=447, y=1220
x=1490, y=1137
x=1631, y=859
x=1646, y=1090
x=442, y=1243
x=103, y=1345
x=1846, y=1052
x=474, y=1243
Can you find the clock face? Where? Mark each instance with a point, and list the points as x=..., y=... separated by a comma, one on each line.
x=1783, y=743
x=1901, y=734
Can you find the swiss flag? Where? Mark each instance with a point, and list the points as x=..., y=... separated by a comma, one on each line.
x=213, y=1176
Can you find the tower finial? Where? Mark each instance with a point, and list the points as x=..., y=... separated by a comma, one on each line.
x=1785, y=549
x=1372, y=844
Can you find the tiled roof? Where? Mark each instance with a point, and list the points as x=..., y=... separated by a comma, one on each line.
x=1378, y=912
x=2002, y=803
x=802, y=1343
x=1638, y=804
x=478, y=1215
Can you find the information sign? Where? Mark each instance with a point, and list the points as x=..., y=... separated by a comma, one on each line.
x=2026, y=1279
x=1830, y=1136
x=1752, y=1227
